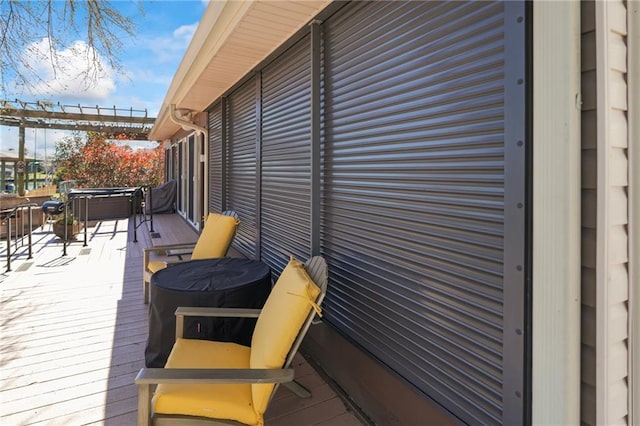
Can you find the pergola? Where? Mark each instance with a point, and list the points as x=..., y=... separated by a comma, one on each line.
x=47, y=115
x=114, y=122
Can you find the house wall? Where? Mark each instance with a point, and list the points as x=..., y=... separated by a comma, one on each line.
x=605, y=257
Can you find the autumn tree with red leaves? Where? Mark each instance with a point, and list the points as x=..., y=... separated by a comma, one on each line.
x=102, y=163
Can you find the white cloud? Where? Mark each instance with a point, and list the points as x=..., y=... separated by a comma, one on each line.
x=171, y=49
x=184, y=33
x=148, y=76
x=78, y=74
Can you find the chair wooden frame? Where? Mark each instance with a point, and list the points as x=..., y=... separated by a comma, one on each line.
x=171, y=254
x=147, y=377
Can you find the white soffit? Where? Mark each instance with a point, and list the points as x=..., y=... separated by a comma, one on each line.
x=231, y=39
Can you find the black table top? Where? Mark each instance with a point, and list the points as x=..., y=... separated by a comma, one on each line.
x=210, y=275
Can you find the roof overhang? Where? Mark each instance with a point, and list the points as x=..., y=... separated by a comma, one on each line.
x=231, y=39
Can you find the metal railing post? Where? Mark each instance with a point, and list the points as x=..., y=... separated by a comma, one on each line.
x=133, y=202
x=9, y=243
x=151, y=207
x=30, y=222
x=64, y=242
x=86, y=218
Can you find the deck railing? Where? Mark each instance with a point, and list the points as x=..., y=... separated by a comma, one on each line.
x=16, y=216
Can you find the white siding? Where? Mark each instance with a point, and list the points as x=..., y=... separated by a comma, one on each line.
x=605, y=255
x=633, y=82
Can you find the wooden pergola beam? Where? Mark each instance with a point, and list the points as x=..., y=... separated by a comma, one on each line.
x=71, y=116
x=133, y=132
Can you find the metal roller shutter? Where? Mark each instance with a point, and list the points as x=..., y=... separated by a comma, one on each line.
x=241, y=191
x=286, y=151
x=215, y=159
x=414, y=194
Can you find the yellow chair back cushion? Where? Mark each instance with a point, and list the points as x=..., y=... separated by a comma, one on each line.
x=215, y=239
x=278, y=325
x=219, y=401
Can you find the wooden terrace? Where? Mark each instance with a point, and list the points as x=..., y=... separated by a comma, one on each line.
x=74, y=329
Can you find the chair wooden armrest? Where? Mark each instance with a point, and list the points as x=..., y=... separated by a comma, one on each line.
x=165, y=248
x=153, y=376
x=188, y=311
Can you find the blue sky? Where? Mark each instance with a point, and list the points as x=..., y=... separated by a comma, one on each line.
x=149, y=61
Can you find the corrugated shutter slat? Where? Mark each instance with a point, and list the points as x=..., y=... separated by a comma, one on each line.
x=215, y=158
x=242, y=165
x=286, y=155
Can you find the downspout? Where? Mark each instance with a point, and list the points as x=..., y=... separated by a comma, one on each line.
x=188, y=125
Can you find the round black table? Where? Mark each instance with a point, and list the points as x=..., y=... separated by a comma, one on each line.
x=224, y=282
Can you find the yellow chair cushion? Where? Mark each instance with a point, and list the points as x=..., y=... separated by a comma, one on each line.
x=220, y=401
x=282, y=317
x=215, y=239
x=155, y=265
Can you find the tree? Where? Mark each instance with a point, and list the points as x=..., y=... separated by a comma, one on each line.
x=68, y=157
x=44, y=27
x=100, y=163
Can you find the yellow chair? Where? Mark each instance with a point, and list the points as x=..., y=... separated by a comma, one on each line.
x=226, y=383
x=213, y=242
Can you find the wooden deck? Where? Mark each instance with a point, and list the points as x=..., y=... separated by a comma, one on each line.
x=74, y=329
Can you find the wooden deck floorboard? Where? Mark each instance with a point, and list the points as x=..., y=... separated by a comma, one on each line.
x=74, y=329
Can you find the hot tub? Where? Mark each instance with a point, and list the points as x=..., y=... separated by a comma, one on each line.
x=105, y=203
